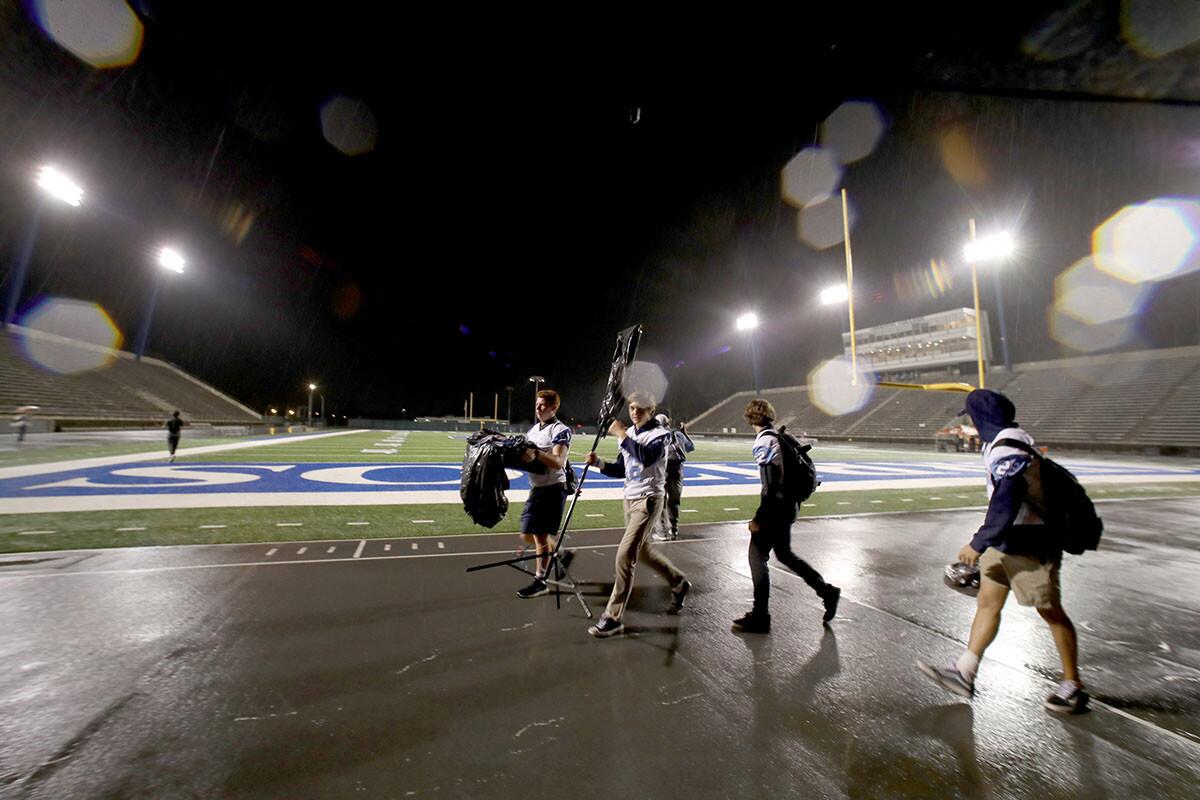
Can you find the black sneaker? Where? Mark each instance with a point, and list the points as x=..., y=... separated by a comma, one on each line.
x=535, y=589
x=677, y=596
x=949, y=678
x=606, y=626
x=831, y=595
x=753, y=623
x=1069, y=698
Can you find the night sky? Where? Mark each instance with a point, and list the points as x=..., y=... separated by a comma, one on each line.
x=537, y=183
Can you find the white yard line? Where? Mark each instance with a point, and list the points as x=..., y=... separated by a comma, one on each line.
x=361, y=544
x=129, y=458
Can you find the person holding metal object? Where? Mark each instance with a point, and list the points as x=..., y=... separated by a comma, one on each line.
x=542, y=515
x=642, y=462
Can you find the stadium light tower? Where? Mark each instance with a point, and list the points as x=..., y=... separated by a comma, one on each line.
x=748, y=324
x=169, y=260
x=537, y=381
x=993, y=249
x=56, y=185
x=312, y=387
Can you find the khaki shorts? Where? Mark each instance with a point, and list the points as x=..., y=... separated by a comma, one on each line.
x=1035, y=583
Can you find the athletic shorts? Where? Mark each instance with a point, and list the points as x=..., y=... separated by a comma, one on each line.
x=543, y=510
x=1033, y=582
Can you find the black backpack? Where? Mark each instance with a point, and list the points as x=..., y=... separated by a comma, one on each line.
x=799, y=472
x=1060, y=500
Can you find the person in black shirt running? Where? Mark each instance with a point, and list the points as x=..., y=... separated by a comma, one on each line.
x=174, y=426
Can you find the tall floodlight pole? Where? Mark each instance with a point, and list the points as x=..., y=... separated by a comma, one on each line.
x=537, y=381
x=53, y=184
x=312, y=387
x=994, y=248
x=850, y=289
x=509, y=389
x=748, y=323
x=169, y=260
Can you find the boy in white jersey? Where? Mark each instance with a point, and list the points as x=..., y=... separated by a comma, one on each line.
x=642, y=462
x=542, y=514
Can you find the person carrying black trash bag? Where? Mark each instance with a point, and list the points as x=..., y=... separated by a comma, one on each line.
x=771, y=527
x=1016, y=550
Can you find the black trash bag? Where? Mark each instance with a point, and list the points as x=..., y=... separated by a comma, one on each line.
x=484, y=481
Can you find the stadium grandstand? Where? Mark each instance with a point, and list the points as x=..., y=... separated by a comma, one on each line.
x=119, y=391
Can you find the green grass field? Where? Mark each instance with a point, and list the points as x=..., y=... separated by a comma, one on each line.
x=100, y=529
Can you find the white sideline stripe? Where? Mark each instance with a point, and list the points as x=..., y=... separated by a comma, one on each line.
x=33, y=533
x=358, y=523
x=361, y=544
x=214, y=526
x=731, y=509
x=273, y=551
x=878, y=502
x=129, y=458
x=331, y=548
x=934, y=498
x=689, y=510
x=423, y=521
x=289, y=524
x=906, y=500
x=301, y=551
x=593, y=515
x=122, y=530
x=441, y=545
x=843, y=502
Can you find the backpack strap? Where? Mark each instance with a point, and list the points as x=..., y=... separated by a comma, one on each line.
x=1019, y=445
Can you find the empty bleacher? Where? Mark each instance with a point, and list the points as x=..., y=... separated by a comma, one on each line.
x=122, y=390
x=1124, y=401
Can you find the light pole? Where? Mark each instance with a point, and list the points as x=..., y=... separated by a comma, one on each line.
x=312, y=387
x=53, y=184
x=537, y=381
x=749, y=323
x=994, y=248
x=169, y=260
x=509, y=389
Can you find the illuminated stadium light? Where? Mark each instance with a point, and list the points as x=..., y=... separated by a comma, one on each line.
x=1093, y=296
x=819, y=225
x=1151, y=241
x=77, y=336
x=835, y=388
x=747, y=322
x=348, y=124
x=853, y=130
x=813, y=174
x=312, y=387
x=834, y=294
x=169, y=258
x=996, y=247
x=59, y=186
x=101, y=33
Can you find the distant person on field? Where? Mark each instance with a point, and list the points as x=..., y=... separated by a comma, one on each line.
x=174, y=427
x=21, y=422
x=678, y=446
x=1016, y=551
x=543, y=510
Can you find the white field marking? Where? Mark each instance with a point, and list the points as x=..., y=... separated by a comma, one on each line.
x=731, y=509
x=809, y=505
x=302, y=551
x=385, y=452
x=361, y=544
x=129, y=458
x=1018, y=669
x=593, y=515
x=441, y=545
x=331, y=548
x=289, y=524
x=272, y=551
x=358, y=523
x=414, y=545
x=877, y=502
x=843, y=502
x=962, y=496
x=424, y=521
x=33, y=533
x=689, y=511
x=935, y=498
x=214, y=526
x=122, y=530
x=387, y=548
x=905, y=499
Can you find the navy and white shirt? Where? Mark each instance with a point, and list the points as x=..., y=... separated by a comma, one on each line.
x=1007, y=525
x=641, y=461
x=773, y=507
x=546, y=435
x=678, y=448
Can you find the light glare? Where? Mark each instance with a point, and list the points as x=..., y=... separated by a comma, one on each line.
x=59, y=186
x=996, y=247
x=834, y=294
x=747, y=322
x=169, y=258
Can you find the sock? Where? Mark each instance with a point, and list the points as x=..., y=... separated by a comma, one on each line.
x=968, y=665
x=540, y=575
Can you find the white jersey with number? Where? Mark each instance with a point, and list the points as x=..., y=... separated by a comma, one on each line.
x=546, y=435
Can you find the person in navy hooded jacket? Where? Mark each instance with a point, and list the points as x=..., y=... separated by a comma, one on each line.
x=1016, y=551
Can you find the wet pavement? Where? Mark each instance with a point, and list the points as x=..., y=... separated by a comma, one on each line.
x=260, y=671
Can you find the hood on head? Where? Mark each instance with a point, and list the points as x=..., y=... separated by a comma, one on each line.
x=991, y=412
